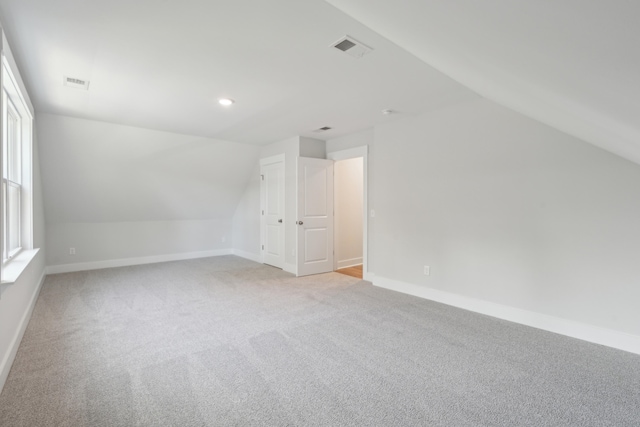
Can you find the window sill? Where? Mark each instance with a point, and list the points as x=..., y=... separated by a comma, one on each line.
x=12, y=270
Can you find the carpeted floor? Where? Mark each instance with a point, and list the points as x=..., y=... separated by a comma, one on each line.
x=227, y=342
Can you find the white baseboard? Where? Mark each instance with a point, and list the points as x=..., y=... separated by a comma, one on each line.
x=10, y=355
x=96, y=265
x=247, y=255
x=349, y=262
x=570, y=328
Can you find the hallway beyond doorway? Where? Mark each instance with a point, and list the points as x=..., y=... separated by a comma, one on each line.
x=355, y=271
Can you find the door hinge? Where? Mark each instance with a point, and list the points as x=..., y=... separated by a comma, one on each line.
x=262, y=212
x=262, y=177
x=263, y=247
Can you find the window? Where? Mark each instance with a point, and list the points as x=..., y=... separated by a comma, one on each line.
x=16, y=150
x=11, y=178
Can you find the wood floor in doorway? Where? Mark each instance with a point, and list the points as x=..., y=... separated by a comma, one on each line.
x=355, y=271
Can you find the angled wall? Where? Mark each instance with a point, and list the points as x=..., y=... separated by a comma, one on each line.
x=117, y=192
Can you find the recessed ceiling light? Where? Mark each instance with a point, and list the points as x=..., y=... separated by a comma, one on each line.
x=226, y=101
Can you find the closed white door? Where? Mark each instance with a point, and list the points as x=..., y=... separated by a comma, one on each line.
x=315, y=216
x=273, y=213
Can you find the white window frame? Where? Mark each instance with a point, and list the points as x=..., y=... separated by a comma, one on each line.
x=11, y=159
x=16, y=166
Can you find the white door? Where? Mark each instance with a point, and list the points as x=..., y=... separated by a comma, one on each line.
x=315, y=216
x=272, y=190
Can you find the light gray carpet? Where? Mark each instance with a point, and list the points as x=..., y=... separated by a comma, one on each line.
x=224, y=341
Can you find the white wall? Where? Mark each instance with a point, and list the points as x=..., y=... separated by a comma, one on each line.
x=311, y=147
x=39, y=231
x=246, y=220
x=102, y=241
x=17, y=299
x=348, y=194
x=358, y=139
x=16, y=303
x=116, y=192
x=510, y=211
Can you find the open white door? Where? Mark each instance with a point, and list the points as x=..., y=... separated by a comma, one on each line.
x=315, y=216
x=272, y=192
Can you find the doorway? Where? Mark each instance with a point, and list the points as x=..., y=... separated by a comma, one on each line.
x=348, y=207
x=350, y=218
x=272, y=227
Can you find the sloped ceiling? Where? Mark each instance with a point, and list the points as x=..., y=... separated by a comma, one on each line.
x=148, y=140
x=100, y=172
x=162, y=65
x=571, y=64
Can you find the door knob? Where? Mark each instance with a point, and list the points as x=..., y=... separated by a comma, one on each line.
x=299, y=223
x=280, y=221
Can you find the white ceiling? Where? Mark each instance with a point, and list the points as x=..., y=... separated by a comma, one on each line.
x=572, y=64
x=163, y=64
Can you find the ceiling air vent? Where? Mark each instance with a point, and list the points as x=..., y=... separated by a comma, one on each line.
x=76, y=83
x=323, y=129
x=352, y=47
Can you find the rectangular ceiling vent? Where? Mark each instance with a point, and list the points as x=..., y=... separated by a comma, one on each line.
x=351, y=47
x=323, y=129
x=76, y=83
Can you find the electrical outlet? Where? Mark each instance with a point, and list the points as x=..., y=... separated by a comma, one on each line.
x=223, y=239
x=427, y=270
x=72, y=251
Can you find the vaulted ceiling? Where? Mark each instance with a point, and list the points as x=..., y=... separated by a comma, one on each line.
x=162, y=64
x=572, y=64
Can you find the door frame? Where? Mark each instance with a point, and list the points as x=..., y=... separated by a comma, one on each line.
x=279, y=158
x=353, y=153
